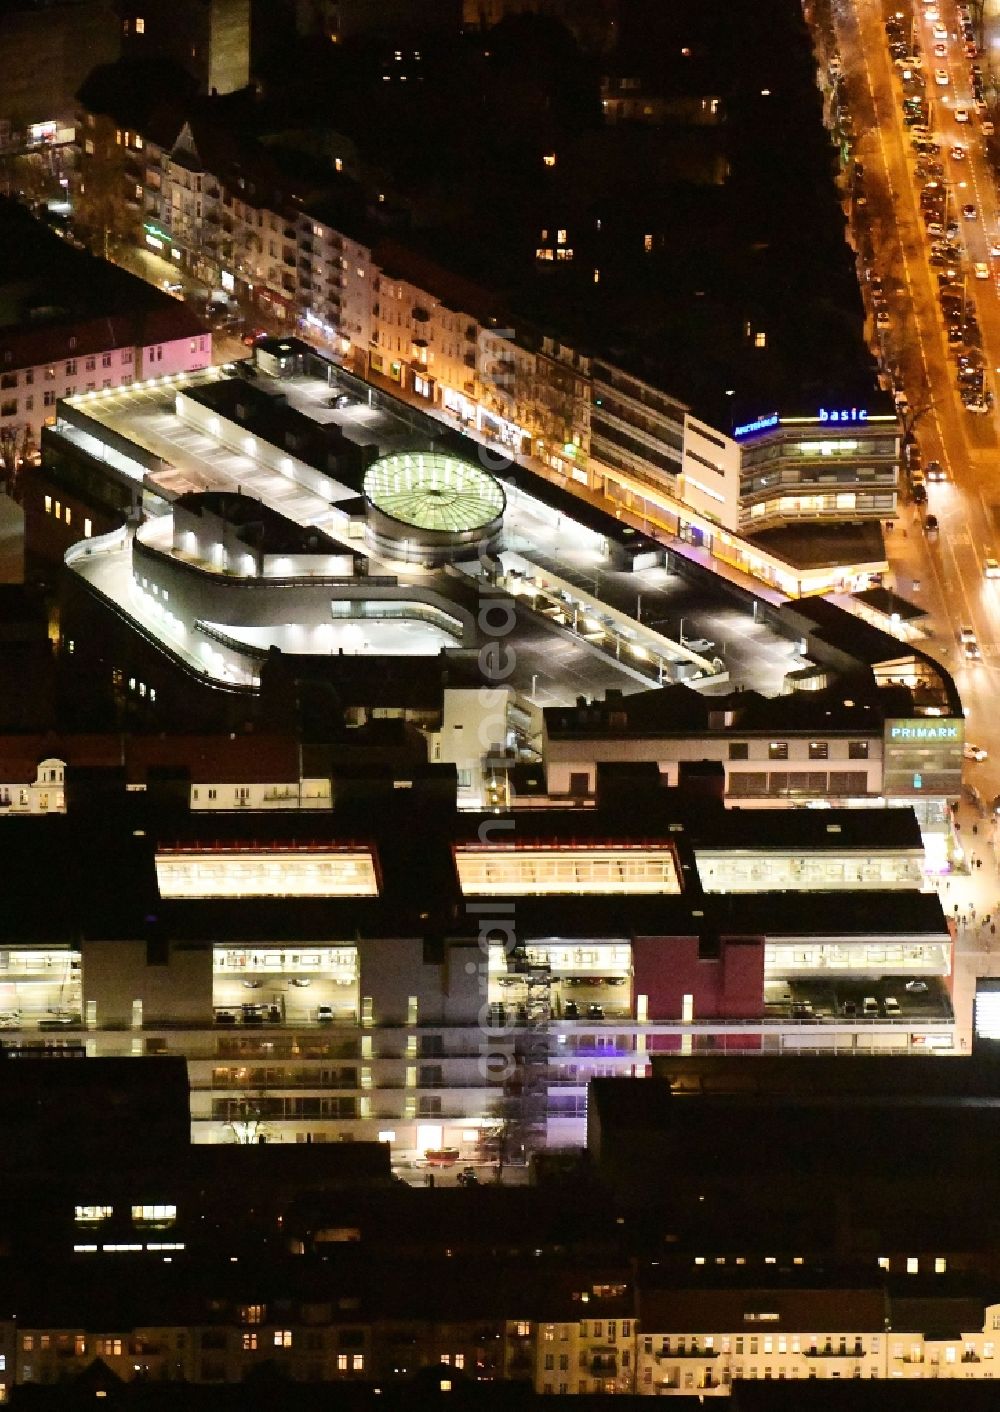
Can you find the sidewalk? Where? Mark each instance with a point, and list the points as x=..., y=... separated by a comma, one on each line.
x=971, y=901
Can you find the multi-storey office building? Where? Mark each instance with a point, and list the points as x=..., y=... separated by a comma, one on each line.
x=342, y=980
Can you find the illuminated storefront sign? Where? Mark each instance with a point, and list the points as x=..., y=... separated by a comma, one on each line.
x=845, y=414
x=921, y=730
x=760, y=424
x=924, y=757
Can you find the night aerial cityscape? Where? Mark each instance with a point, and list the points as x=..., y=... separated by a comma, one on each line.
x=499, y=712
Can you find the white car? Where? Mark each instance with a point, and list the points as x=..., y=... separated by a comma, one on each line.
x=982, y=270
x=995, y=249
x=974, y=752
x=991, y=567
x=931, y=12
x=987, y=127
x=966, y=634
x=941, y=77
x=940, y=31
x=961, y=115
x=958, y=152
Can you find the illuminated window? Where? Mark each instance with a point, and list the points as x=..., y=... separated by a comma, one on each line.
x=282, y=1338
x=252, y=1314
x=85, y=1214
x=760, y=339
x=154, y=1213
x=341, y=1362
x=487, y=871
x=647, y=243
x=560, y=237
x=549, y=159
x=940, y=1265
x=249, y=1342
x=358, y=1362
x=140, y=25
x=256, y=873
x=912, y=1265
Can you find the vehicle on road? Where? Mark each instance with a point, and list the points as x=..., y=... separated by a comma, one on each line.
x=974, y=752
x=969, y=211
x=939, y=30
x=982, y=269
x=987, y=127
x=991, y=567
x=931, y=526
x=995, y=249
x=979, y=406
x=935, y=471
x=324, y=1014
x=869, y=1006
x=961, y=115
x=958, y=152
x=972, y=652
x=890, y=1006
x=966, y=634
x=940, y=50
x=916, y=987
x=699, y=644
x=919, y=495
x=882, y=319
x=941, y=77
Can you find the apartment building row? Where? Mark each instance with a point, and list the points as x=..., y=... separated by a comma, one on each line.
x=74, y=325
x=308, y=255
x=611, y=1334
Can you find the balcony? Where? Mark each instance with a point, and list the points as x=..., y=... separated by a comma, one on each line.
x=421, y=315
x=661, y=1355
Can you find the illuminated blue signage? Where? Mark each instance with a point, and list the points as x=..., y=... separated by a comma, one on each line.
x=761, y=424
x=845, y=414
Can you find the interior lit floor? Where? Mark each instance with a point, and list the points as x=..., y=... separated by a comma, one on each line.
x=392, y=639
